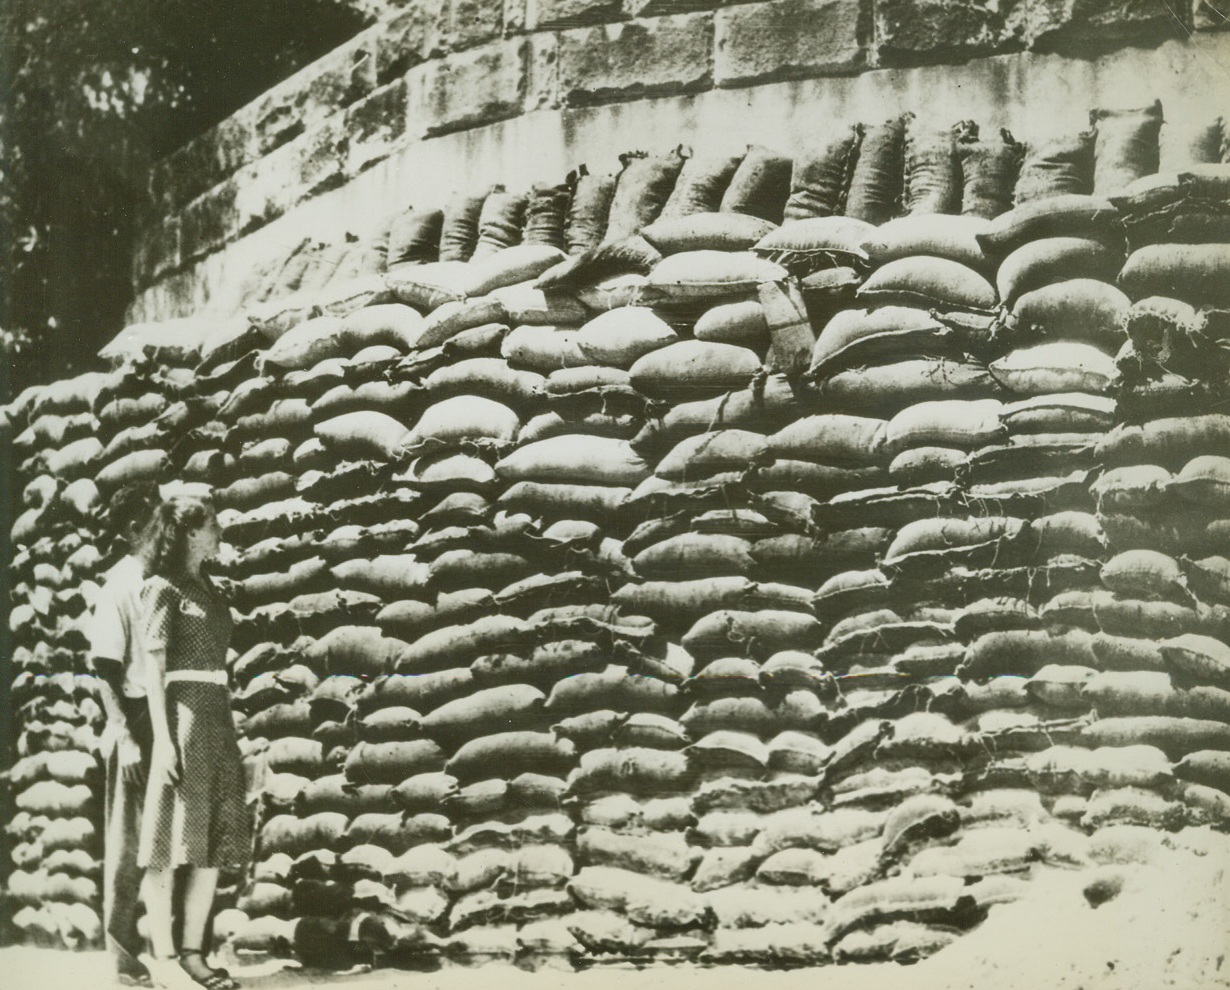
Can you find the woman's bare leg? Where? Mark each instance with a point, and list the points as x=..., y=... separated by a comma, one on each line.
x=158, y=889
x=198, y=902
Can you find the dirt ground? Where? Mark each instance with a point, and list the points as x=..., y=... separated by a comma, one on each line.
x=1168, y=927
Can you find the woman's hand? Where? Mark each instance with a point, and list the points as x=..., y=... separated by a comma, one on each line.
x=164, y=763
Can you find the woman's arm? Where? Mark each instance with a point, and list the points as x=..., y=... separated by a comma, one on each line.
x=159, y=601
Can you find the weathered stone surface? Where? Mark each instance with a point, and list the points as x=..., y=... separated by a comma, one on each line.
x=473, y=22
x=572, y=13
x=321, y=158
x=787, y=39
x=516, y=16
x=913, y=31
x=410, y=38
x=156, y=252
x=1080, y=26
x=375, y=127
x=315, y=93
x=468, y=88
x=653, y=57
x=1211, y=15
x=542, y=74
x=209, y=221
x=202, y=163
x=655, y=8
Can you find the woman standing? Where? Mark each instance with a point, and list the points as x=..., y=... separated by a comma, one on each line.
x=195, y=811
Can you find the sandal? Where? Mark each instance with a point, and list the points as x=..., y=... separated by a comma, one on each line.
x=166, y=973
x=203, y=974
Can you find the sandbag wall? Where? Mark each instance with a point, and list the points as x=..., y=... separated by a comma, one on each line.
x=743, y=559
x=81, y=437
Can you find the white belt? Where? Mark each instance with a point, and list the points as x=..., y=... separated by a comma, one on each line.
x=198, y=676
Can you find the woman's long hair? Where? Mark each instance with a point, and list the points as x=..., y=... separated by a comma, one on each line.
x=175, y=519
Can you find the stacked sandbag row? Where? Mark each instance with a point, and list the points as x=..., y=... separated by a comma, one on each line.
x=618, y=787
x=679, y=568
x=297, y=455
x=53, y=841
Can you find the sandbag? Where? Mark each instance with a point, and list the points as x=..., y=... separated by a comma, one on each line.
x=623, y=335
x=691, y=276
x=876, y=182
x=855, y=337
x=500, y=222
x=1043, y=262
x=700, y=186
x=1209, y=578
x=1145, y=574
x=663, y=855
x=930, y=282
x=611, y=689
x=1177, y=737
x=1080, y=309
x=762, y=633
x=742, y=323
x=710, y=453
x=694, y=369
x=641, y=191
x=1197, y=659
x=954, y=238
x=140, y=465
x=1210, y=768
x=1056, y=166
x=414, y=238
x=1197, y=273
x=1125, y=146
x=888, y=388
x=817, y=242
x=509, y=753
x=463, y=419
x=932, y=170
x=706, y=232
x=989, y=170
x=542, y=348
x=831, y=439
x=955, y=423
x=392, y=762
x=363, y=435
x=1023, y=652
x=636, y=771
x=588, y=212
x=1169, y=442
x=820, y=175
x=1143, y=692
x=510, y=705
x=359, y=650
x=575, y=460
x=760, y=185
x=1059, y=367
x=644, y=900
x=459, y=227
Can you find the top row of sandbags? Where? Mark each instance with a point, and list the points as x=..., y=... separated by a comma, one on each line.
x=901, y=166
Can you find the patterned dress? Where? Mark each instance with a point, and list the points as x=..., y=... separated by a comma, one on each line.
x=204, y=821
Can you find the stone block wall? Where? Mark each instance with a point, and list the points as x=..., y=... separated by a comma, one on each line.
x=648, y=70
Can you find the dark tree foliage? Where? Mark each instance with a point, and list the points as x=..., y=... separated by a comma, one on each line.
x=91, y=93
